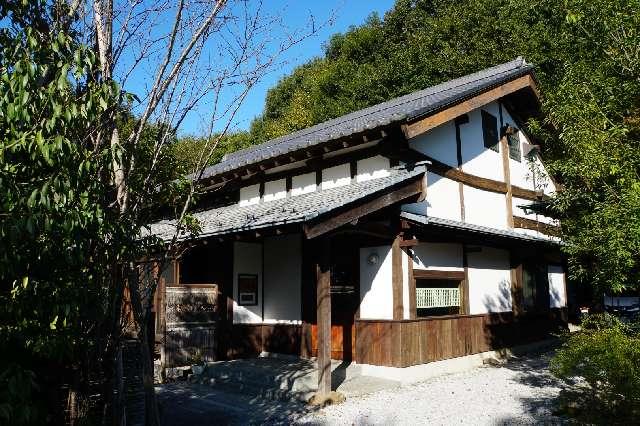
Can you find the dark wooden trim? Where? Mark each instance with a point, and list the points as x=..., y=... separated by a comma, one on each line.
x=463, y=119
x=466, y=307
x=527, y=194
x=486, y=184
x=397, y=278
x=353, y=168
x=323, y=309
x=397, y=194
x=289, y=185
x=423, y=274
x=545, y=228
x=432, y=121
x=409, y=243
x=453, y=173
x=516, y=283
x=506, y=170
x=461, y=197
x=412, y=287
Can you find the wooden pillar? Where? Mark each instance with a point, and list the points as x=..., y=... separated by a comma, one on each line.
x=323, y=308
x=396, y=278
x=504, y=148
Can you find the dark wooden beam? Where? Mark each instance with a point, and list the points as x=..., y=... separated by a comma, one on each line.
x=409, y=243
x=412, y=287
x=396, y=278
x=506, y=171
x=397, y=194
x=323, y=309
x=432, y=121
x=485, y=184
x=438, y=275
x=545, y=228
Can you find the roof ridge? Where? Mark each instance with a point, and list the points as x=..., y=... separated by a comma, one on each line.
x=404, y=99
x=442, y=93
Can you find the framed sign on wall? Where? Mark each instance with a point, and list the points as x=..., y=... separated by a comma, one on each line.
x=247, y=289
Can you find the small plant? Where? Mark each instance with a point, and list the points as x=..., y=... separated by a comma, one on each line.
x=606, y=355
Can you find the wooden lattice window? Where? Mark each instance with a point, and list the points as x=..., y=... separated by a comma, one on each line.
x=490, y=131
x=438, y=297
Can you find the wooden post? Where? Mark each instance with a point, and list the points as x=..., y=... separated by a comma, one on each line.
x=396, y=278
x=323, y=308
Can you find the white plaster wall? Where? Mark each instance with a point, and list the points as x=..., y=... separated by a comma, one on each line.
x=438, y=256
x=438, y=143
x=247, y=259
x=275, y=190
x=372, y=168
x=485, y=208
x=282, y=278
x=443, y=199
x=519, y=211
x=476, y=159
x=336, y=176
x=303, y=184
x=557, y=289
x=250, y=195
x=376, y=293
x=489, y=281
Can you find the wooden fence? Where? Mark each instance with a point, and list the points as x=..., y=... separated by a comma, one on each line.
x=410, y=342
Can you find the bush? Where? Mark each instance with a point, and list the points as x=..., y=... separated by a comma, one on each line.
x=606, y=354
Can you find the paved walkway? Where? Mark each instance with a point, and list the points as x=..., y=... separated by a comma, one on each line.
x=519, y=392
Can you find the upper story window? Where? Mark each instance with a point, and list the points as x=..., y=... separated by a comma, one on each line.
x=490, y=131
x=513, y=141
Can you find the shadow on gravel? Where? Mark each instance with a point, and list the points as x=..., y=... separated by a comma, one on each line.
x=533, y=371
x=199, y=405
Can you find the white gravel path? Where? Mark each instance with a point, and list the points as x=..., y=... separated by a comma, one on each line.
x=519, y=392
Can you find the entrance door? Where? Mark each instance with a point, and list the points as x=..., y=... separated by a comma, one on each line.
x=345, y=291
x=345, y=296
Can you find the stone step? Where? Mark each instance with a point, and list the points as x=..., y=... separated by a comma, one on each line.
x=269, y=390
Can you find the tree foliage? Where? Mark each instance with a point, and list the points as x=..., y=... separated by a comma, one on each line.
x=55, y=227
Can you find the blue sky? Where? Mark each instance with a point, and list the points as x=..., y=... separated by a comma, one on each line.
x=297, y=12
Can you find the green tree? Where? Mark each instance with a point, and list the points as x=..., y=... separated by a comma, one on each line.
x=56, y=256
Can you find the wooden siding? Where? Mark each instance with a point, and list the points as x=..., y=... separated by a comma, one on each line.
x=249, y=340
x=419, y=341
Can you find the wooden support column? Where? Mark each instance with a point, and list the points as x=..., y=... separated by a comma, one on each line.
x=412, y=286
x=504, y=148
x=323, y=308
x=396, y=278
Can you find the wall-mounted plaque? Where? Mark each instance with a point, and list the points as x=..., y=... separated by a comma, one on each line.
x=247, y=289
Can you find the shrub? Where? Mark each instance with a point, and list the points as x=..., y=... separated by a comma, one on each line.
x=606, y=354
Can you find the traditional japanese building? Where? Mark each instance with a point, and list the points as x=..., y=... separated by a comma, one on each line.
x=396, y=235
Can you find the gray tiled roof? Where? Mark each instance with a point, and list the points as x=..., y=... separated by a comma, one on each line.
x=479, y=229
x=406, y=107
x=301, y=208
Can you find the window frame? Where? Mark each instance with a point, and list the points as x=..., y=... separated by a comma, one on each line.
x=490, y=134
x=255, y=293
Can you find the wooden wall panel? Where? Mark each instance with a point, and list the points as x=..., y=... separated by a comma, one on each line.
x=410, y=342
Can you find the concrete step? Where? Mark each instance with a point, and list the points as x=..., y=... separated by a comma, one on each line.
x=274, y=390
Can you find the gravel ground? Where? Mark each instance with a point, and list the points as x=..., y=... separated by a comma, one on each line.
x=519, y=392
